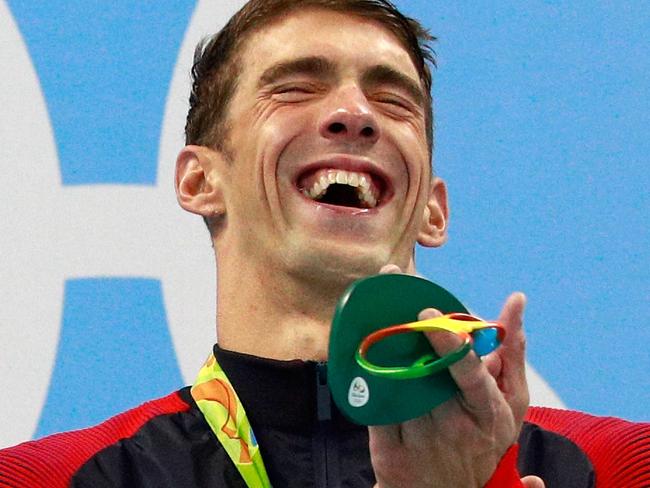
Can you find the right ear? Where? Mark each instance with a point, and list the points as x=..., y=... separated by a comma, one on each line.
x=198, y=181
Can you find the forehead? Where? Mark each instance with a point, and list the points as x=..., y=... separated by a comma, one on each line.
x=350, y=41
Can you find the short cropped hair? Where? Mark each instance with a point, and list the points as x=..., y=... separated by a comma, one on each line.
x=217, y=64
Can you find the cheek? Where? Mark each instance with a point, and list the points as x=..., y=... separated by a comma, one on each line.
x=273, y=148
x=288, y=121
x=287, y=117
x=280, y=130
x=413, y=149
x=285, y=140
x=413, y=136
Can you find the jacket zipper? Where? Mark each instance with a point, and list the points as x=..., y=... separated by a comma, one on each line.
x=326, y=467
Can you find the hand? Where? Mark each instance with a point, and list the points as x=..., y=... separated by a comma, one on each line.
x=460, y=443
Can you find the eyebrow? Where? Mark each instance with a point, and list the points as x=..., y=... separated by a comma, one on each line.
x=383, y=74
x=311, y=65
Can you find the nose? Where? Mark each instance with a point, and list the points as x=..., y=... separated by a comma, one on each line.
x=349, y=118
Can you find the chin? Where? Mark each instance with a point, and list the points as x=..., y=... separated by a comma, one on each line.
x=335, y=264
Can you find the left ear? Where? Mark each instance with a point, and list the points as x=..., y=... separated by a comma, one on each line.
x=433, y=229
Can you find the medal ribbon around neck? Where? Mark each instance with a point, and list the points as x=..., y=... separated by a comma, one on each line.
x=224, y=412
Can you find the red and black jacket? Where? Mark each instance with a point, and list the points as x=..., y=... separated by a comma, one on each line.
x=305, y=442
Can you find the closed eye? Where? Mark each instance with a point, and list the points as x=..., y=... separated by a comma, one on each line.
x=395, y=103
x=294, y=93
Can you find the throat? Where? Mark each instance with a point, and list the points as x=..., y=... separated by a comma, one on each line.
x=293, y=338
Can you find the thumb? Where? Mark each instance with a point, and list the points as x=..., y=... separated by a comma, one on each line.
x=512, y=355
x=390, y=269
x=511, y=318
x=532, y=482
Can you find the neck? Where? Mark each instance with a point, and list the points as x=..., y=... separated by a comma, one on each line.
x=269, y=313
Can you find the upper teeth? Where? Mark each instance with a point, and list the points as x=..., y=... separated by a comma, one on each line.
x=356, y=180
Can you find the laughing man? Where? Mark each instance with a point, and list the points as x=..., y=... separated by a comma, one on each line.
x=309, y=144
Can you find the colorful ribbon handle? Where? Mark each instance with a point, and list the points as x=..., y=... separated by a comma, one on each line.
x=484, y=337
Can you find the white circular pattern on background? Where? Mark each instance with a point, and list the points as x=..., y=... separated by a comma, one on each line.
x=50, y=233
x=31, y=284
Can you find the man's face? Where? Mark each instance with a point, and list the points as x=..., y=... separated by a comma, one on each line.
x=330, y=170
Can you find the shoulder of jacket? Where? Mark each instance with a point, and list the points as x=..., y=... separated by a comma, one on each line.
x=53, y=460
x=618, y=449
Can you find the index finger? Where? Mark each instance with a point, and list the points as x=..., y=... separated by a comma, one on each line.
x=477, y=386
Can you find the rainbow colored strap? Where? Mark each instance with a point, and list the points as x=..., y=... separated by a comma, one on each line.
x=483, y=336
x=224, y=412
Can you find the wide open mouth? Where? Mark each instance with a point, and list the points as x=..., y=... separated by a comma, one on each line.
x=354, y=189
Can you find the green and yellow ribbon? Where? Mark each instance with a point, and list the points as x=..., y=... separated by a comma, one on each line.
x=224, y=412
